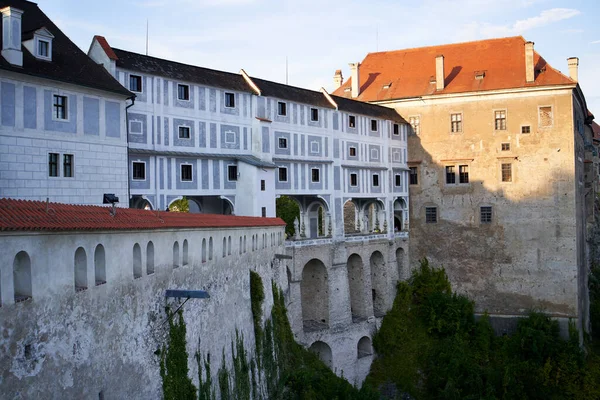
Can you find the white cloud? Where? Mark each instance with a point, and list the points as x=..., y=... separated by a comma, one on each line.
x=595, y=42
x=572, y=30
x=545, y=18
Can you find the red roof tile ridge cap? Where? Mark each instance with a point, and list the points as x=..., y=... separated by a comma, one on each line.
x=106, y=47
x=547, y=65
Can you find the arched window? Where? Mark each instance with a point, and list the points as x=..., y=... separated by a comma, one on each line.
x=244, y=243
x=185, y=252
x=99, y=266
x=137, y=261
x=224, y=247
x=150, y=258
x=323, y=351
x=22, y=277
x=176, y=255
x=364, y=348
x=80, y=265
x=229, y=246
x=252, y=242
x=241, y=247
x=203, y=250
x=210, y=248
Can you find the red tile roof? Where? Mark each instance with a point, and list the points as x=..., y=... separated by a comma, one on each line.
x=410, y=71
x=107, y=49
x=21, y=215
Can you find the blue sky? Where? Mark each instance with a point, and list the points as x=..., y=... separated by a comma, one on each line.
x=320, y=36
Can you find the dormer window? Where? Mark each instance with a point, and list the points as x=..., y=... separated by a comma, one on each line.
x=40, y=44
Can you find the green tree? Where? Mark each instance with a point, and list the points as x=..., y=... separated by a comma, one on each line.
x=288, y=210
x=181, y=205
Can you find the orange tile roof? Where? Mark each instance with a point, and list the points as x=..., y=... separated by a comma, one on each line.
x=22, y=215
x=105, y=46
x=410, y=71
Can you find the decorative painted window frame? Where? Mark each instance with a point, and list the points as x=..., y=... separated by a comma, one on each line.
x=231, y=134
x=189, y=132
x=315, y=147
x=311, y=174
x=189, y=91
x=181, y=172
x=145, y=170
x=67, y=107
x=225, y=95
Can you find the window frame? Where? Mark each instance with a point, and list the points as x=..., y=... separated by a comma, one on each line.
x=459, y=122
x=431, y=215
x=374, y=123
x=284, y=140
x=181, y=174
x=282, y=108
x=501, y=119
x=312, y=114
x=528, y=128
x=450, y=174
x=53, y=165
x=355, y=176
x=376, y=157
x=184, y=127
x=398, y=180
x=280, y=171
x=318, y=175
x=187, y=91
x=313, y=149
x=488, y=216
x=232, y=171
x=352, y=121
x=64, y=107
x=511, y=177
x=229, y=100
x=375, y=181
x=139, y=162
x=350, y=148
x=412, y=181
x=505, y=146
x=48, y=55
x=70, y=165
x=463, y=177
x=396, y=129
x=263, y=185
x=141, y=83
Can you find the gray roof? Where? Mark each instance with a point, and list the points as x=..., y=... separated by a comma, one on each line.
x=247, y=158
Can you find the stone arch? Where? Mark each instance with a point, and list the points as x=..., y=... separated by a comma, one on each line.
x=150, y=258
x=356, y=285
x=400, y=208
x=373, y=216
x=22, y=277
x=137, y=261
x=364, y=347
x=228, y=206
x=316, y=213
x=185, y=252
x=176, y=254
x=210, y=248
x=80, y=269
x=194, y=206
x=99, y=265
x=204, y=250
x=314, y=291
x=378, y=283
x=350, y=217
x=141, y=203
x=323, y=351
x=400, y=262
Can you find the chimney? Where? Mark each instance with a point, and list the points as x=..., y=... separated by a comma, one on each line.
x=337, y=79
x=11, y=35
x=439, y=72
x=529, y=71
x=355, y=79
x=573, y=63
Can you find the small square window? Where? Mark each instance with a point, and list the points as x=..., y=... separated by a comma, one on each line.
x=135, y=83
x=53, y=164
x=351, y=121
x=506, y=172
x=229, y=100
x=183, y=92
x=43, y=48
x=396, y=129
x=283, y=144
x=262, y=185
x=500, y=120
x=456, y=123
x=315, y=172
x=281, y=108
x=374, y=125
x=414, y=177
x=60, y=107
x=232, y=172
x=184, y=132
x=314, y=114
x=375, y=180
x=505, y=146
x=485, y=214
x=186, y=172
x=398, y=180
x=352, y=151
x=139, y=171
x=68, y=165
x=430, y=215
x=463, y=173
x=450, y=175
x=526, y=129
x=283, y=174
x=353, y=179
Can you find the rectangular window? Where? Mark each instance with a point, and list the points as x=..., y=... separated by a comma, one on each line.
x=415, y=123
x=53, y=164
x=43, y=48
x=229, y=100
x=353, y=179
x=352, y=151
x=232, y=173
x=485, y=214
x=135, y=83
x=505, y=146
x=262, y=185
x=526, y=129
x=456, y=123
x=500, y=120
x=281, y=108
x=315, y=172
x=398, y=180
x=186, y=172
x=263, y=212
x=374, y=125
x=282, y=174
x=430, y=215
x=506, y=172
x=545, y=116
x=450, y=175
x=314, y=114
x=282, y=143
x=463, y=173
x=60, y=107
x=351, y=121
x=184, y=132
x=139, y=171
x=375, y=180
x=68, y=165
x=414, y=177
x=396, y=129
x=183, y=92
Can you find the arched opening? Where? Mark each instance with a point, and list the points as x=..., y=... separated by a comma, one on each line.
x=99, y=265
x=229, y=246
x=378, y=283
x=224, y=247
x=350, y=218
x=371, y=221
x=253, y=239
x=203, y=250
x=241, y=245
x=150, y=258
x=315, y=215
x=140, y=203
x=288, y=210
x=400, y=262
x=364, y=348
x=400, y=209
x=323, y=351
x=356, y=284
x=176, y=254
x=314, y=290
x=244, y=243
x=80, y=264
x=210, y=248
x=22, y=277
x=185, y=252
x=137, y=261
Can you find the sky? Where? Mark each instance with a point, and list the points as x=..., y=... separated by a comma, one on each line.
x=319, y=36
